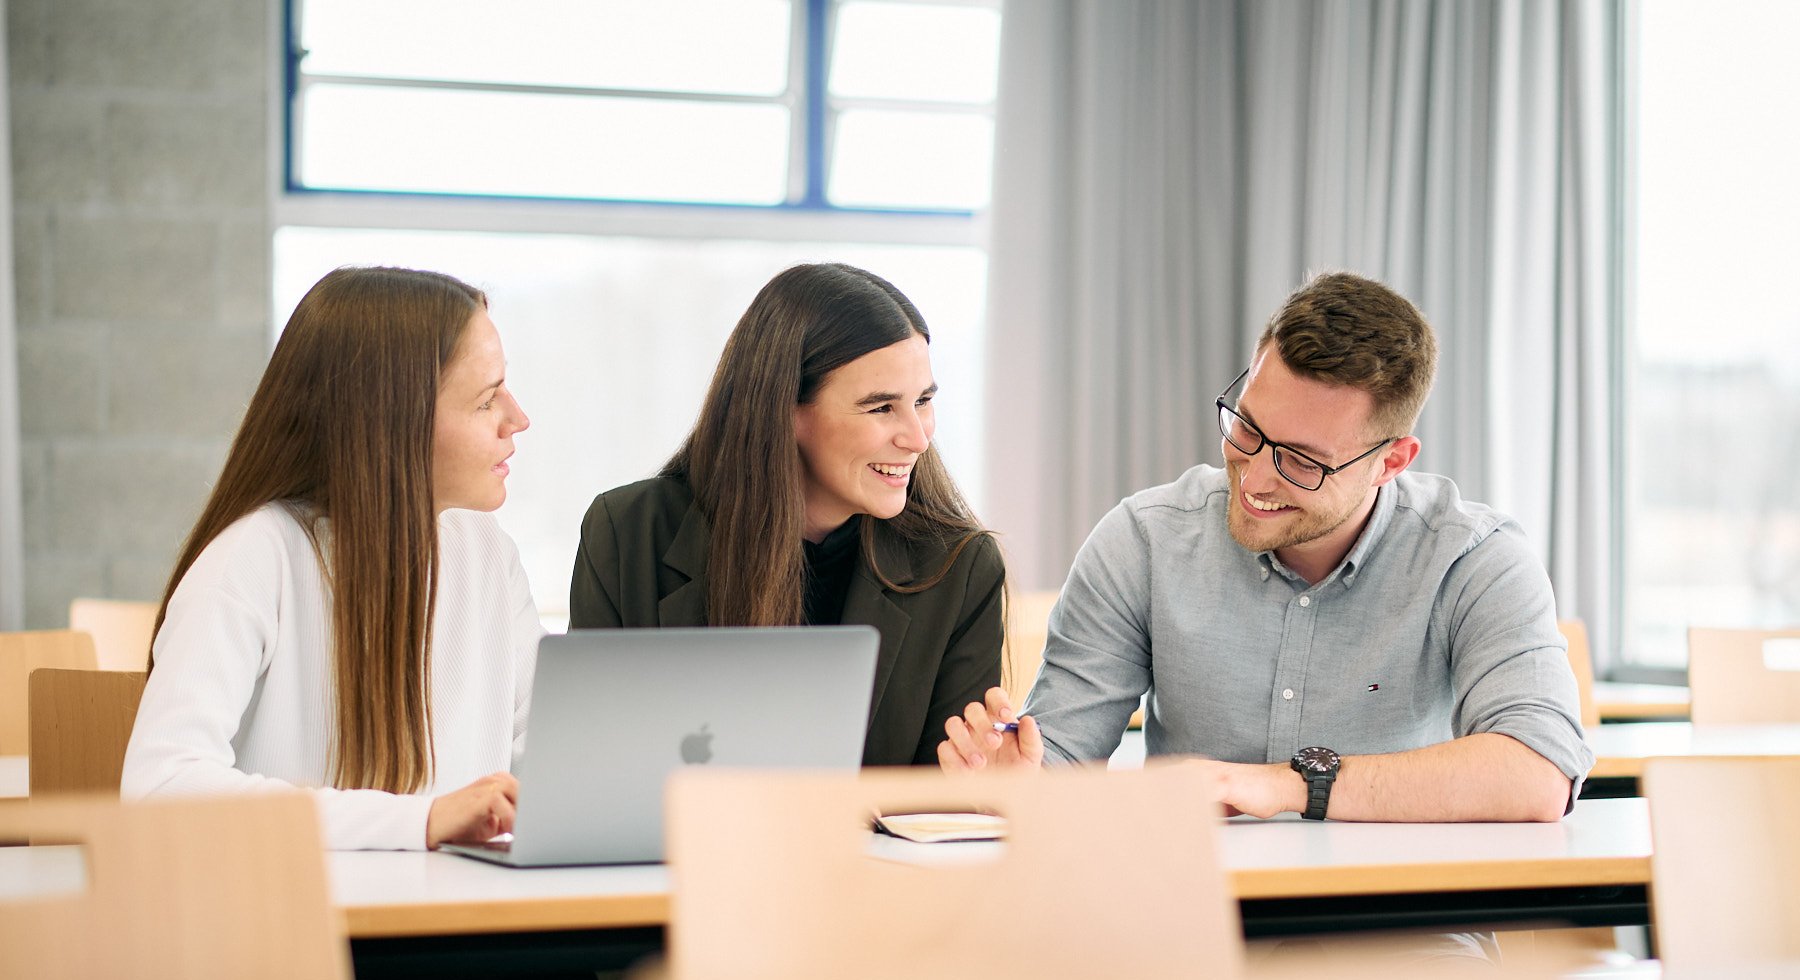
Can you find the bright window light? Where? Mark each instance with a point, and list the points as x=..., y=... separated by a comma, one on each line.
x=462, y=142
x=889, y=159
x=1713, y=431
x=916, y=52
x=703, y=46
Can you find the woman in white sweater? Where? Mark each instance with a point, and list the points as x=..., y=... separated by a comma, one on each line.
x=346, y=616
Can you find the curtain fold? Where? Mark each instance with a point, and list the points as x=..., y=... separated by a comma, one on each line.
x=12, y=556
x=1166, y=171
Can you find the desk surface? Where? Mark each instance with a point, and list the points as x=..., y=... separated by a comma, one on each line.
x=15, y=777
x=395, y=894
x=1633, y=702
x=1621, y=750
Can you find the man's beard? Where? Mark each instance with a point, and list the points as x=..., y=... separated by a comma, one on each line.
x=1298, y=527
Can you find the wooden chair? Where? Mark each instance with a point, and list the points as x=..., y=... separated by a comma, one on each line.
x=1027, y=630
x=1731, y=683
x=80, y=722
x=1725, y=864
x=1102, y=874
x=227, y=888
x=122, y=630
x=22, y=653
x=1581, y=661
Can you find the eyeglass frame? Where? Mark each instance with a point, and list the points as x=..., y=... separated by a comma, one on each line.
x=1277, y=448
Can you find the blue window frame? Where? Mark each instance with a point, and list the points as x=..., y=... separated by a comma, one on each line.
x=713, y=103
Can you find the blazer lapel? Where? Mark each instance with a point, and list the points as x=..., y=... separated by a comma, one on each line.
x=868, y=602
x=686, y=606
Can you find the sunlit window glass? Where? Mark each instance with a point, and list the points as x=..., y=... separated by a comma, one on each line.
x=1713, y=520
x=446, y=141
x=915, y=52
x=894, y=159
x=702, y=46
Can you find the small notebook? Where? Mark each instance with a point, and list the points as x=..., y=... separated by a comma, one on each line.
x=939, y=828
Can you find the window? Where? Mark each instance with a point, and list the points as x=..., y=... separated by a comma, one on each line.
x=1713, y=432
x=855, y=104
x=622, y=177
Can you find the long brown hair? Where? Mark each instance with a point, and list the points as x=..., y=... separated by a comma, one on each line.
x=741, y=457
x=340, y=431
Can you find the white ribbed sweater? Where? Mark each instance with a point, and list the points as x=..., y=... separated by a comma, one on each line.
x=241, y=699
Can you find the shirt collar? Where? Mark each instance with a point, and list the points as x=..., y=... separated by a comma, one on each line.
x=1379, y=518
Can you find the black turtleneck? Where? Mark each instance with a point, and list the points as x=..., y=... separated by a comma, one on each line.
x=829, y=566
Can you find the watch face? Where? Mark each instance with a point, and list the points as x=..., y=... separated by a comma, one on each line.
x=1316, y=758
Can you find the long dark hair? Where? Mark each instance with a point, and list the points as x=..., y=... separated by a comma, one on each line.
x=741, y=459
x=340, y=430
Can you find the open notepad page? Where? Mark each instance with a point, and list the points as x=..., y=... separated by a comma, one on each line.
x=938, y=828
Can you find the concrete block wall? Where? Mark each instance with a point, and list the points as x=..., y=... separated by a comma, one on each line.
x=141, y=201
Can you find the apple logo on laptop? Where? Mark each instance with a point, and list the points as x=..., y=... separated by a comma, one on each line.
x=697, y=748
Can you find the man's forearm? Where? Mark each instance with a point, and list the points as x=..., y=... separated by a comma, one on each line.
x=1479, y=777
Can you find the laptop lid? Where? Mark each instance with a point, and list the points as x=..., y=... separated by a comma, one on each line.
x=613, y=712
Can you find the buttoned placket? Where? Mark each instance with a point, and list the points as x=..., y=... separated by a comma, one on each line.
x=1288, y=695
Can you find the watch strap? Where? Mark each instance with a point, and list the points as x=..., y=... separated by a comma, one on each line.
x=1318, y=794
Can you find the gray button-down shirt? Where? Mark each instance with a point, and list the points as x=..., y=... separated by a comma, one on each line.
x=1439, y=623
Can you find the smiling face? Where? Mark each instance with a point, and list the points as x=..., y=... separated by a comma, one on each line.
x=1308, y=529
x=862, y=432
x=474, y=424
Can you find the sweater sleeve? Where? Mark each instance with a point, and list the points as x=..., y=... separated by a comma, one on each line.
x=211, y=660
x=527, y=629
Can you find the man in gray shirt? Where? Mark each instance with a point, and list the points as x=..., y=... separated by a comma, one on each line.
x=1343, y=638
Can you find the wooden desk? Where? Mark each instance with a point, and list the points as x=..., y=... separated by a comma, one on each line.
x=1620, y=751
x=387, y=894
x=1291, y=876
x=15, y=777
x=1604, y=843
x=1641, y=702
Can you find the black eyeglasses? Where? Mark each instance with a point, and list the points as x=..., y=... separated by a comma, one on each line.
x=1294, y=466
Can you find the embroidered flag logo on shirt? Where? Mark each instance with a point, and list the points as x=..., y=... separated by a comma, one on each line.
x=1374, y=687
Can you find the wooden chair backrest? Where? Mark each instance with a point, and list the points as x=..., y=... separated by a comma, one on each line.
x=1724, y=864
x=1027, y=630
x=1732, y=685
x=1102, y=874
x=1581, y=661
x=122, y=630
x=216, y=888
x=80, y=722
x=22, y=653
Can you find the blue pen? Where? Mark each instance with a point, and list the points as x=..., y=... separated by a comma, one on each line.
x=1006, y=726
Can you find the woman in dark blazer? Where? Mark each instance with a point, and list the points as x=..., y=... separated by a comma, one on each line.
x=808, y=493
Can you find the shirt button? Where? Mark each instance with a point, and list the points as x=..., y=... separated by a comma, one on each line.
x=1265, y=575
x=1305, y=600
x=1288, y=694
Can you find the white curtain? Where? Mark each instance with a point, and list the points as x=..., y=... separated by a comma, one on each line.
x=12, y=557
x=1168, y=170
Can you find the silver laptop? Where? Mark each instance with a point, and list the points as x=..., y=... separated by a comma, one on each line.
x=613, y=712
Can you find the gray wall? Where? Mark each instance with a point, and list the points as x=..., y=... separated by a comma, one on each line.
x=141, y=190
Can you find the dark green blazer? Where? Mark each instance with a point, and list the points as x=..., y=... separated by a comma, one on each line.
x=642, y=562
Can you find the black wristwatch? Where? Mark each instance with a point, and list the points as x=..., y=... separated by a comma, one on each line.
x=1317, y=765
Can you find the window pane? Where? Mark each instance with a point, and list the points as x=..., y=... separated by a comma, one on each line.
x=712, y=46
x=911, y=160
x=460, y=142
x=610, y=343
x=914, y=52
x=1717, y=368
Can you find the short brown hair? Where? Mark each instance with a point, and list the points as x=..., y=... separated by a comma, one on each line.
x=1343, y=329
